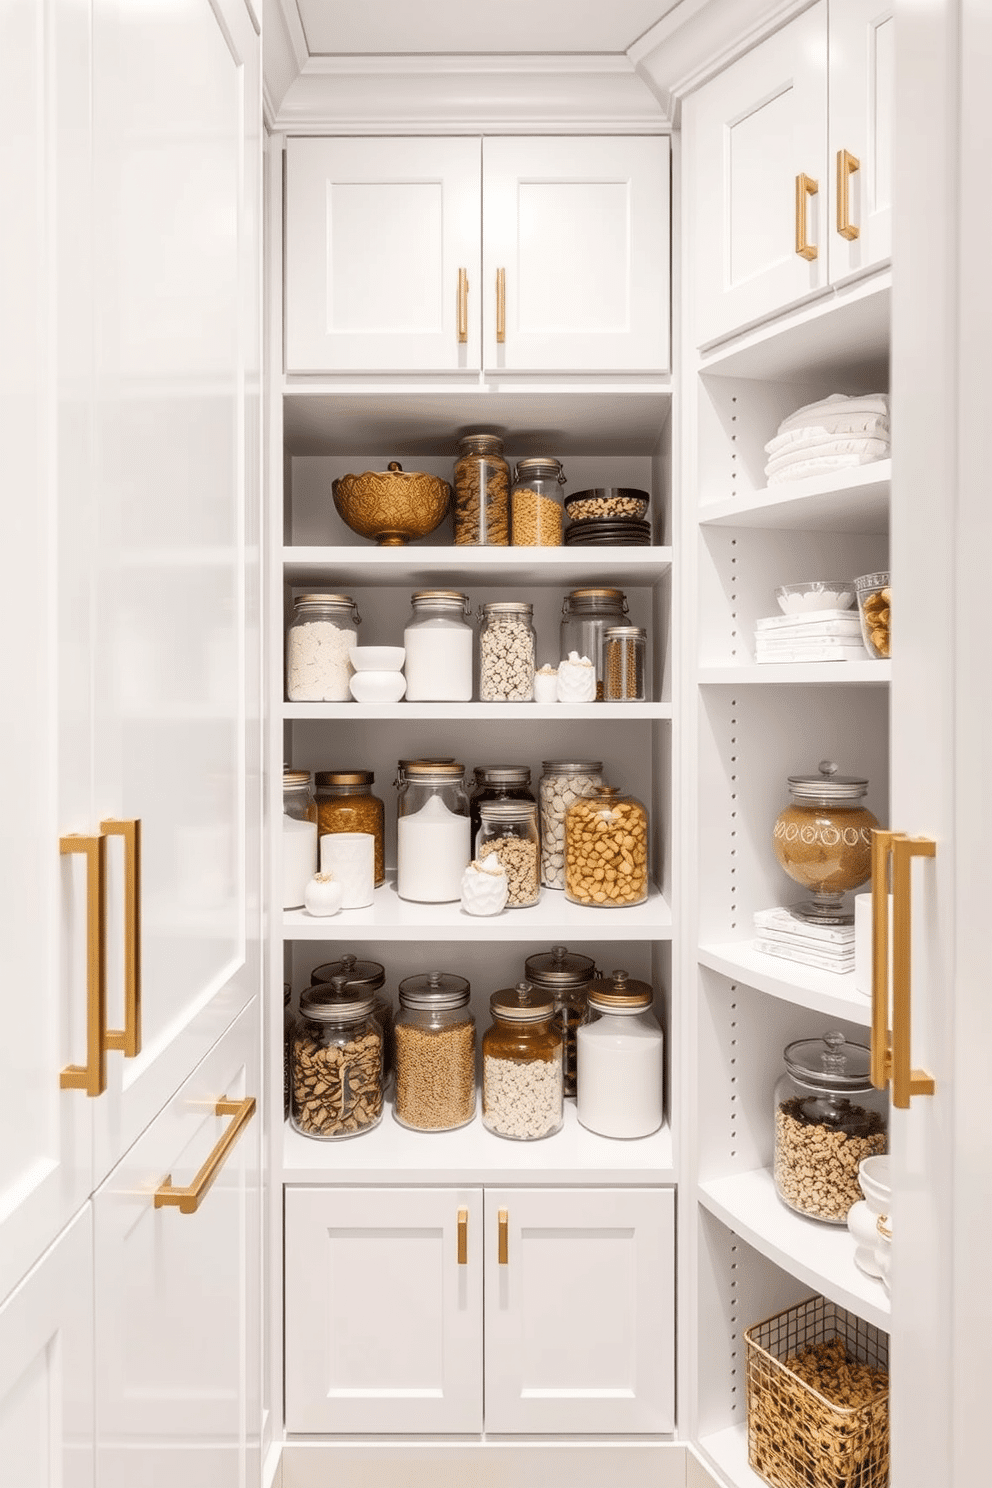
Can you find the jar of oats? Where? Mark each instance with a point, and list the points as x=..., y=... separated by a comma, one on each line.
x=522, y=1065
x=481, y=492
x=606, y=849
x=536, y=503
x=828, y=1117
x=509, y=829
x=435, y=1053
x=335, y=1063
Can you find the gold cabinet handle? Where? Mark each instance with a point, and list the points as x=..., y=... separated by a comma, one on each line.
x=462, y=305
x=847, y=164
x=504, y=1237
x=463, y=1237
x=500, y=305
x=92, y=1076
x=805, y=187
x=891, y=1058
x=128, y=1038
x=188, y=1200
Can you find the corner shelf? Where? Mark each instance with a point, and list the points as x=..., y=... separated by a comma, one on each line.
x=855, y=500
x=820, y=991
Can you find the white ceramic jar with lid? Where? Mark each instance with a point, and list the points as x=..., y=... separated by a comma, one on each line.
x=433, y=833
x=621, y=1076
x=439, y=645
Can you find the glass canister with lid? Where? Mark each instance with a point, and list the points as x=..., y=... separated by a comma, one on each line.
x=823, y=841
x=522, y=1065
x=498, y=783
x=299, y=836
x=346, y=803
x=433, y=833
x=586, y=616
x=435, y=1053
x=368, y=977
x=536, y=503
x=606, y=849
x=561, y=783
x=439, y=644
x=336, y=1063
x=828, y=1117
x=506, y=652
x=509, y=829
x=321, y=634
x=624, y=664
x=481, y=492
x=620, y=1059
x=566, y=974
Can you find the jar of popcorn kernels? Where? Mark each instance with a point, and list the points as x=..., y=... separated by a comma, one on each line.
x=606, y=849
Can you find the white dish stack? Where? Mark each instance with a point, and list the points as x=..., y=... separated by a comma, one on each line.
x=816, y=624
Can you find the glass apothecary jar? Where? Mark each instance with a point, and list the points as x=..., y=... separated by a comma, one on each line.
x=299, y=836
x=336, y=1064
x=522, y=1065
x=625, y=649
x=368, y=977
x=498, y=783
x=566, y=975
x=439, y=644
x=561, y=783
x=433, y=833
x=346, y=803
x=536, y=503
x=509, y=829
x=507, y=645
x=435, y=1053
x=823, y=841
x=586, y=616
x=481, y=492
x=828, y=1117
x=621, y=1060
x=606, y=849
x=322, y=631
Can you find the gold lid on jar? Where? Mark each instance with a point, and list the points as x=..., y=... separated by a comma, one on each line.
x=523, y=1003
x=619, y=993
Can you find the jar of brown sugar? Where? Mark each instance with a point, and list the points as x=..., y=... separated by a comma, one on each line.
x=345, y=803
x=823, y=841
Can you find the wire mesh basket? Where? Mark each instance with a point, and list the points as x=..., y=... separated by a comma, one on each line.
x=818, y=1399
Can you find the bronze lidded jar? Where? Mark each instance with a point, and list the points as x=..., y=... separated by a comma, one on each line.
x=823, y=840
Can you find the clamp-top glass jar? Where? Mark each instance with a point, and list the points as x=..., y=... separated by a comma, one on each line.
x=497, y=783
x=506, y=652
x=567, y=975
x=439, y=645
x=321, y=634
x=345, y=803
x=482, y=492
x=299, y=836
x=522, y=1065
x=621, y=1060
x=435, y=1053
x=586, y=615
x=509, y=829
x=367, y=977
x=433, y=833
x=536, y=503
x=336, y=1063
x=823, y=841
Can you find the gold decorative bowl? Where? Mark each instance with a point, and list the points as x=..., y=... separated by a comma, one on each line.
x=391, y=506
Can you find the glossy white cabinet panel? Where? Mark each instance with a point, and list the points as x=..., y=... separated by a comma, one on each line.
x=862, y=112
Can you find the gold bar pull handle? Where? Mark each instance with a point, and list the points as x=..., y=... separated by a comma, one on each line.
x=463, y=1237
x=188, y=1200
x=881, y=844
x=500, y=305
x=504, y=1237
x=805, y=187
x=906, y=1081
x=92, y=1076
x=128, y=1038
x=847, y=164
x=462, y=305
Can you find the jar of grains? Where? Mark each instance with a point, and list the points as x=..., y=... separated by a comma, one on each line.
x=368, y=977
x=345, y=803
x=621, y=1060
x=562, y=782
x=482, y=492
x=606, y=849
x=509, y=829
x=435, y=1053
x=433, y=833
x=299, y=836
x=536, y=503
x=439, y=644
x=828, y=1117
x=586, y=615
x=336, y=1063
x=567, y=975
x=522, y=1065
x=624, y=659
x=506, y=652
x=321, y=634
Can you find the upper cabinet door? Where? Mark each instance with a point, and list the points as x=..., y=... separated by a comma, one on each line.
x=756, y=181
x=576, y=254
x=382, y=255
x=862, y=71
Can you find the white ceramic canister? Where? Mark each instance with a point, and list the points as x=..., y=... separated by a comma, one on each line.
x=349, y=857
x=620, y=1058
x=439, y=644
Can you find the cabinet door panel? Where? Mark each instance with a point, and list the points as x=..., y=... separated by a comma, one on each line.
x=580, y=227
x=862, y=77
x=376, y=233
x=383, y=1324
x=580, y=1319
x=749, y=135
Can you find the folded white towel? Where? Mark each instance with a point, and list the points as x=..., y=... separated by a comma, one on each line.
x=836, y=403
x=829, y=426
x=817, y=464
x=871, y=447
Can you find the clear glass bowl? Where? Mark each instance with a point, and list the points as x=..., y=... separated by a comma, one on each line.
x=874, y=607
x=815, y=594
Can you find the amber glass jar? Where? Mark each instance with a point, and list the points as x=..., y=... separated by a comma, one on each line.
x=606, y=849
x=345, y=803
x=566, y=975
x=522, y=1065
x=823, y=841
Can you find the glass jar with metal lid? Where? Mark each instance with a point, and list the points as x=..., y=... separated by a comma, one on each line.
x=509, y=829
x=439, y=643
x=482, y=492
x=621, y=1059
x=561, y=783
x=506, y=652
x=536, y=503
x=497, y=783
x=299, y=836
x=367, y=977
x=336, y=1063
x=345, y=803
x=522, y=1065
x=606, y=849
x=321, y=634
x=624, y=664
x=433, y=833
x=828, y=1118
x=435, y=1053
x=586, y=615
x=402, y=764
x=567, y=974
x=823, y=841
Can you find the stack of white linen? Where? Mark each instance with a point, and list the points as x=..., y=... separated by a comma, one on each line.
x=838, y=431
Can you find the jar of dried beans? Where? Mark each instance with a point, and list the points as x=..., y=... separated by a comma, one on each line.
x=509, y=829
x=606, y=850
x=567, y=975
x=435, y=1053
x=321, y=634
x=536, y=503
x=522, y=1065
x=482, y=492
x=336, y=1064
x=562, y=782
x=345, y=803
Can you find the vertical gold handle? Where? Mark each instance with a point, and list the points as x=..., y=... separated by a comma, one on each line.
x=463, y=1237
x=188, y=1200
x=805, y=187
x=504, y=1237
x=500, y=305
x=92, y=1076
x=891, y=1058
x=128, y=1038
x=847, y=164
x=462, y=305
x=881, y=843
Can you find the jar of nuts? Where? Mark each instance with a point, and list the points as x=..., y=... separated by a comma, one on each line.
x=562, y=782
x=536, y=503
x=363, y=976
x=522, y=1065
x=482, y=492
x=509, y=829
x=606, y=850
x=586, y=615
x=345, y=803
x=336, y=1063
x=828, y=1117
x=497, y=783
x=566, y=974
x=435, y=1053
x=506, y=652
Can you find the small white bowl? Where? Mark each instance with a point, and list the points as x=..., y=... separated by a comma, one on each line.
x=815, y=594
x=377, y=687
x=876, y=1184
x=377, y=658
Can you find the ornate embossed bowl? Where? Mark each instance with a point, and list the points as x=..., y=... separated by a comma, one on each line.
x=391, y=506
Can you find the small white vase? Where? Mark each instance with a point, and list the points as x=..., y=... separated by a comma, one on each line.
x=323, y=895
x=546, y=685
x=485, y=889
x=576, y=679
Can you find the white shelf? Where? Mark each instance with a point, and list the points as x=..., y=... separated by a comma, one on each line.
x=478, y=712
x=820, y=1255
x=820, y=991
x=419, y=564
x=392, y=1154
x=810, y=674
x=855, y=500
x=553, y=917
x=727, y=1450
